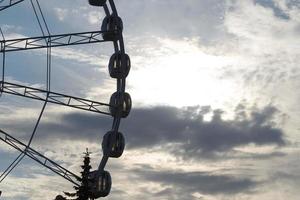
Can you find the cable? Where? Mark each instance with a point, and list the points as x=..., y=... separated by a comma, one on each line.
x=3, y=65
x=120, y=90
x=48, y=77
x=22, y=155
x=10, y=166
x=43, y=17
x=38, y=121
x=3, y=72
x=2, y=34
x=38, y=19
x=48, y=83
x=8, y=171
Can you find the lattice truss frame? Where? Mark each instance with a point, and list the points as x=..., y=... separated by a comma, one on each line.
x=118, y=107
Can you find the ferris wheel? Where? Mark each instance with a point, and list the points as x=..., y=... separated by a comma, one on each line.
x=117, y=107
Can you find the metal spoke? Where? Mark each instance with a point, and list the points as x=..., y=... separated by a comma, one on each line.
x=9, y=4
x=38, y=157
x=56, y=98
x=118, y=107
x=20, y=44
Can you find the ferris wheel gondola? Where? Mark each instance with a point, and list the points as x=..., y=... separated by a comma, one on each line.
x=118, y=107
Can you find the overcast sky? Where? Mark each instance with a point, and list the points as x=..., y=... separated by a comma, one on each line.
x=215, y=89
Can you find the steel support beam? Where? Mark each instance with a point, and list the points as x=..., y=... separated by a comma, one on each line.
x=20, y=44
x=56, y=98
x=9, y=3
x=41, y=159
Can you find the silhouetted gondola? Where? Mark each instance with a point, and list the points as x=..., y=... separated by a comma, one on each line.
x=59, y=197
x=90, y=185
x=102, y=184
x=97, y=2
x=113, y=144
x=112, y=26
x=120, y=104
x=119, y=65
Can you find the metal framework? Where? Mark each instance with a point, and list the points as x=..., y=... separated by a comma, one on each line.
x=112, y=27
x=56, y=98
x=51, y=41
x=41, y=159
x=10, y=3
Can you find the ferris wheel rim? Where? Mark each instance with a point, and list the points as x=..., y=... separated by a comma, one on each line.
x=119, y=48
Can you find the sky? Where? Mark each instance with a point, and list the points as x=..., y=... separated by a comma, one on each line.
x=215, y=90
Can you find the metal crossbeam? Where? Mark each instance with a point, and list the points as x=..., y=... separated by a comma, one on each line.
x=56, y=98
x=9, y=3
x=51, y=41
x=41, y=159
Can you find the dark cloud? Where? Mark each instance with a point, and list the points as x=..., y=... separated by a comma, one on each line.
x=148, y=127
x=293, y=3
x=187, y=131
x=191, y=182
x=78, y=126
x=183, y=131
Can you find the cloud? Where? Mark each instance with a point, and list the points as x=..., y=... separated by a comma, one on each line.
x=61, y=13
x=183, y=132
x=254, y=25
x=191, y=182
x=262, y=37
x=173, y=18
x=274, y=5
x=28, y=189
x=267, y=52
x=195, y=136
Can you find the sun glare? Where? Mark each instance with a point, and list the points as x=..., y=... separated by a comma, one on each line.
x=184, y=76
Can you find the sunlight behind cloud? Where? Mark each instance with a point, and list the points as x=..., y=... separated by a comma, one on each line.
x=181, y=75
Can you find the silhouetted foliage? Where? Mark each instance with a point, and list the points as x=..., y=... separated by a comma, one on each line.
x=83, y=191
x=59, y=197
